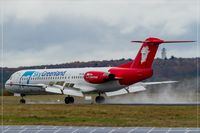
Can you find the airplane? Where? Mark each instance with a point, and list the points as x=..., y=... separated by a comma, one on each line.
x=111, y=81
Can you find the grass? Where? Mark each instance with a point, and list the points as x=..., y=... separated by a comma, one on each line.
x=98, y=115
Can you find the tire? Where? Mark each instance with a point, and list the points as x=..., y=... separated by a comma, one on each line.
x=69, y=100
x=100, y=99
x=22, y=101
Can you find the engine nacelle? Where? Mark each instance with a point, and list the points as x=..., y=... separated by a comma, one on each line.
x=97, y=77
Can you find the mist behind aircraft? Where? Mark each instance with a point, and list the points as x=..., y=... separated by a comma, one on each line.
x=186, y=91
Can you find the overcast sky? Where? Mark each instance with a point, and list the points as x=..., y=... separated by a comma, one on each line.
x=38, y=32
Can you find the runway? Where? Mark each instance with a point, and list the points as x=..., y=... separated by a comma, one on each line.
x=158, y=104
x=70, y=129
x=132, y=104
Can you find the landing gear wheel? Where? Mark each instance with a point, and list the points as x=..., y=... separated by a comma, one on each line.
x=23, y=101
x=100, y=99
x=69, y=100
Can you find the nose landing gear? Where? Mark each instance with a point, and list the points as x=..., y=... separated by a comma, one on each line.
x=22, y=100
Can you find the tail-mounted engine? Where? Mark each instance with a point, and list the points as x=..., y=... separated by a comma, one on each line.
x=97, y=77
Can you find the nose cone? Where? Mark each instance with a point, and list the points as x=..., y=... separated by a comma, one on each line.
x=7, y=85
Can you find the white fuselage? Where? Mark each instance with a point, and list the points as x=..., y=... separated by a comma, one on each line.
x=69, y=76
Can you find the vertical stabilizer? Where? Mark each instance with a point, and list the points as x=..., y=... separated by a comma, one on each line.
x=147, y=52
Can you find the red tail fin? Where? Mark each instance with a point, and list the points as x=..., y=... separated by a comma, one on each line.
x=147, y=52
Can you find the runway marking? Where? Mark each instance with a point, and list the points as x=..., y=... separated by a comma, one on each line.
x=23, y=130
x=55, y=127
x=132, y=130
x=168, y=130
x=188, y=130
x=75, y=131
x=5, y=126
x=22, y=127
x=111, y=131
x=150, y=130
x=38, y=126
x=6, y=130
x=39, y=130
x=93, y=130
x=57, y=130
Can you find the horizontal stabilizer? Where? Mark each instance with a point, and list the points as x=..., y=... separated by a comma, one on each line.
x=177, y=41
x=159, y=41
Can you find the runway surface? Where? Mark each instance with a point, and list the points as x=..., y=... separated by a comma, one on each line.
x=158, y=104
x=135, y=104
x=69, y=129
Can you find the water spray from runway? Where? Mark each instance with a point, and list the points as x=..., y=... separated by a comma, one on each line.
x=181, y=92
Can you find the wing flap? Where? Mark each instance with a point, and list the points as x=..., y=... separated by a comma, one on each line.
x=72, y=92
x=129, y=89
x=133, y=89
x=65, y=91
x=85, y=88
x=53, y=90
x=116, y=93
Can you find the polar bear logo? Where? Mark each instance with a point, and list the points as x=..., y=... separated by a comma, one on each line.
x=144, y=52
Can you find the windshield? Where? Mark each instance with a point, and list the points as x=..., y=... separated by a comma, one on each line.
x=10, y=77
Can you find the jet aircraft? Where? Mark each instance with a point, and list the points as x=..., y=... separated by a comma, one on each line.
x=111, y=81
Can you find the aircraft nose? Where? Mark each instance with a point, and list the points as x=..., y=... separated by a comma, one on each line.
x=7, y=85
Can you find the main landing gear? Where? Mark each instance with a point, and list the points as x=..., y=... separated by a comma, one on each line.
x=69, y=100
x=22, y=100
x=99, y=99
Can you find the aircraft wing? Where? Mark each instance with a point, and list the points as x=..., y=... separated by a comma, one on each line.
x=129, y=89
x=138, y=87
x=58, y=89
